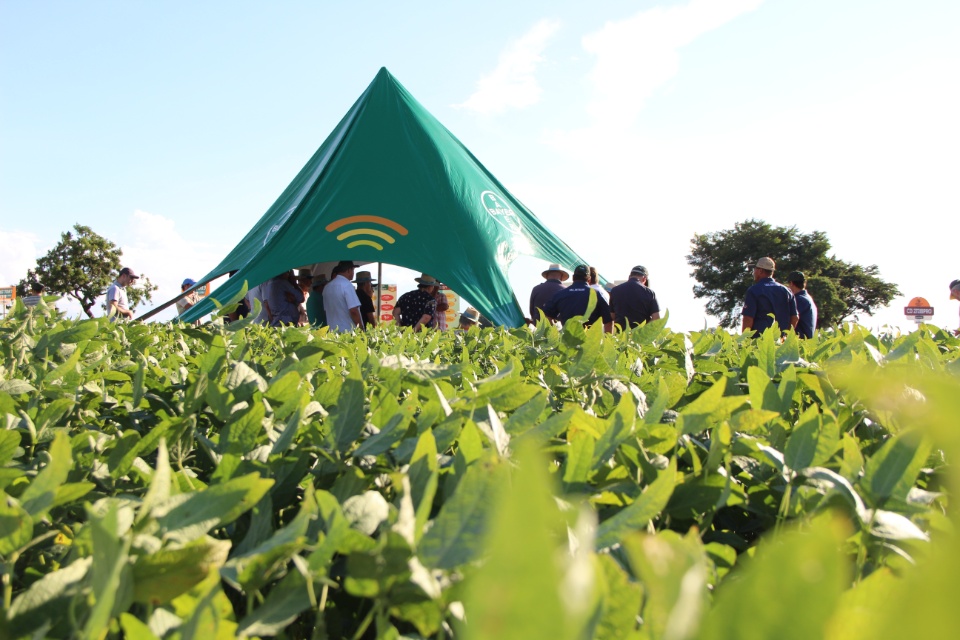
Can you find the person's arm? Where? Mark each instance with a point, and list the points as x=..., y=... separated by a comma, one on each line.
x=423, y=322
x=793, y=321
x=371, y=318
x=749, y=309
x=608, y=327
x=655, y=315
x=355, y=316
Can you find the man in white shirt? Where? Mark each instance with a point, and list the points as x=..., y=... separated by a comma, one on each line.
x=117, y=305
x=340, y=301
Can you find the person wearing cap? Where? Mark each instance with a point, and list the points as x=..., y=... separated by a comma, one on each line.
x=368, y=310
x=417, y=308
x=188, y=300
x=806, y=307
x=340, y=302
x=468, y=319
x=768, y=300
x=634, y=302
x=574, y=300
x=117, y=305
x=955, y=295
x=36, y=294
x=554, y=277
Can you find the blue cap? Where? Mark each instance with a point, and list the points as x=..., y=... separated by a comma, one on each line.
x=188, y=283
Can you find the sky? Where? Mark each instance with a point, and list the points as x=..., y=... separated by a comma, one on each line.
x=626, y=127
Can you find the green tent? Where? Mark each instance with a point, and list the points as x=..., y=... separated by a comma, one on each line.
x=391, y=184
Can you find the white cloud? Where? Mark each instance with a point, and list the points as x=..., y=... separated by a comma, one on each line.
x=155, y=248
x=513, y=84
x=637, y=56
x=19, y=252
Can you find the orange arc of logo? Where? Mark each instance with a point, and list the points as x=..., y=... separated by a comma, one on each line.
x=333, y=226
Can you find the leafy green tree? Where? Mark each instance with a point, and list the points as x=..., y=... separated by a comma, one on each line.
x=721, y=260
x=82, y=265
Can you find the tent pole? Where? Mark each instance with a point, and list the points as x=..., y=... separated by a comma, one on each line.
x=379, y=290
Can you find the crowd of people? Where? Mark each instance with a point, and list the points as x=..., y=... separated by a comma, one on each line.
x=311, y=298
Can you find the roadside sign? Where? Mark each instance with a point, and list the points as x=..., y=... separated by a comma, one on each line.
x=918, y=309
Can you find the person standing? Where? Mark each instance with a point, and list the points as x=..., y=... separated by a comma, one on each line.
x=340, y=302
x=593, y=279
x=574, y=300
x=188, y=300
x=284, y=297
x=767, y=298
x=417, y=308
x=634, y=302
x=316, y=316
x=368, y=311
x=806, y=307
x=443, y=303
x=554, y=277
x=955, y=295
x=117, y=305
x=36, y=293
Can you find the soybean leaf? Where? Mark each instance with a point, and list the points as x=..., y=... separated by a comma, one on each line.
x=515, y=593
x=347, y=418
x=39, y=496
x=48, y=597
x=16, y=526
x=162, y=576
x=799, y=577
x=645, y=508
x=893, y=470
x=186, y=517
x=674, y=573
x=456, y=535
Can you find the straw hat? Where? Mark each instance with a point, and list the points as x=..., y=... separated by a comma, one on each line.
x=564, y=276
x=427, y=281
x=471, y=315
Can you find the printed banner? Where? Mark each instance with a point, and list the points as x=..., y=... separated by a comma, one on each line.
x=452, y=314
x=387, y=297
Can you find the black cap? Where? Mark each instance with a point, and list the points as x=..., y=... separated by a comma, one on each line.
x=127, y=271
x=581, y=272
x=796, y=276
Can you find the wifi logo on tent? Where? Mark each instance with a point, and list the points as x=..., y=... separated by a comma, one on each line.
x=361, y=234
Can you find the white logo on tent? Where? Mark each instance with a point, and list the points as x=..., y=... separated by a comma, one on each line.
x=497, y=207
x=275, y=228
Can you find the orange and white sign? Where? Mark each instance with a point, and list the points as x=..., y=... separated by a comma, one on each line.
x=918, y=309
x=453, y=304
x=387, y=299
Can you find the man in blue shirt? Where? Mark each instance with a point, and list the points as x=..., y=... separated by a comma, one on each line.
x=554, y=277
x=768, y=298
x=573, y=301
x=806, y=307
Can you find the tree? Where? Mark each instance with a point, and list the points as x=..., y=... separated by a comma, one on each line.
x=721, y=260
x=82, y=265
